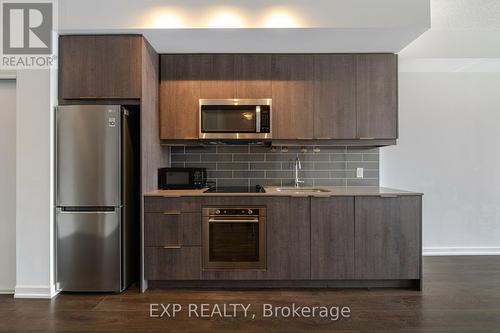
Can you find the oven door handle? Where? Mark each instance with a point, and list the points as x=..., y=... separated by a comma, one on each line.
x=233, y=220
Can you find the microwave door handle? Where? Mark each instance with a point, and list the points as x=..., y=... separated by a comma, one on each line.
x=257, y=119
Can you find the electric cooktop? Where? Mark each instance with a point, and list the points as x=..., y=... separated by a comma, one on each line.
x=236, y=189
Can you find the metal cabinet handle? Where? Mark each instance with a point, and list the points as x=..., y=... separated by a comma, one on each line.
x=172, y=247
x=172, y=212
x=233, y=221
x=366, y=138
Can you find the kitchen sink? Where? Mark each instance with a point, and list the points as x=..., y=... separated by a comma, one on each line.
x=302, y=190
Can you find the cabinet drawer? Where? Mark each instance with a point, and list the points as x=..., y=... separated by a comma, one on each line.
x=183, y=263
x=172, y=205
x=172, y=230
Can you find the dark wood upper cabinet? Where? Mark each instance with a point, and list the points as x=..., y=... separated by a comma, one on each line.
x=252, y=76
x=322, y=96
x=179, y=96
x=100, y=67
x=77, y=67
x=334, y=97
x=376, y=97
x=217, y=76
x=293, y=100
x=332, y=238
x=388, y=237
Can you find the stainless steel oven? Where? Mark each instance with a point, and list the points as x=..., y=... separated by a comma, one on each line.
x=235, y=119
x=234, y=238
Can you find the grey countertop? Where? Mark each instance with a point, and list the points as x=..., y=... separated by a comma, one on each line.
x=273, y=191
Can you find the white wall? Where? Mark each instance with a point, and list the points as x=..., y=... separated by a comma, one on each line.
x=449, y=126
x=7, y=186
x=449, y=149
x=34, y=184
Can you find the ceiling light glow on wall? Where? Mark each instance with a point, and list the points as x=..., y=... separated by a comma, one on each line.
x=225, y=20
x=167, y=20
x=280, y=19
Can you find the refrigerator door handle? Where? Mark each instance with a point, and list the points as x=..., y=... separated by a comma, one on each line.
x=92, y=210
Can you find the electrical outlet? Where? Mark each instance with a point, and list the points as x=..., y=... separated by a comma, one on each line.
x=360, y=173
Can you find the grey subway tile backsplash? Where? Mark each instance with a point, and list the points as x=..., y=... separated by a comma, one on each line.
x=217, y=157
x=330, y=182
x=249, y=165
x=249, y=157
x=177, y=150
x=232, y=149
x=248, y=174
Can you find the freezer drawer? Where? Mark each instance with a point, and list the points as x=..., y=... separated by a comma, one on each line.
x=89, y=250
x=88, y=141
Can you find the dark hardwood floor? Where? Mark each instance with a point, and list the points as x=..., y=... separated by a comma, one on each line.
x=461, y=294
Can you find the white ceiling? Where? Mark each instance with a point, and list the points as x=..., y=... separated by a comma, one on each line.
x=465, y=14
x=318, y=26
x=464, y=37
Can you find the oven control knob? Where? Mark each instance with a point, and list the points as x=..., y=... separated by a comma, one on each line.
x=250, y=212
x=217, y=212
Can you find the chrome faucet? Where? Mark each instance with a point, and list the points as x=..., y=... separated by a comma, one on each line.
x=298, y=166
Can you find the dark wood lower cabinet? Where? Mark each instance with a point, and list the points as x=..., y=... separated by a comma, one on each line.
x=171, y=230
x=288, y=239
x=388, y=237
x=172, y=205
x=332, y=238
x=183, y=263
x=307, y=239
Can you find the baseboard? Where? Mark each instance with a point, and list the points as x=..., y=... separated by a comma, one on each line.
x=45, y=292
x=6, y=291
x=461, y=251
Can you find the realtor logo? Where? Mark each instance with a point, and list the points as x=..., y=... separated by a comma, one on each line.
x=27, y=34
x=27, y=28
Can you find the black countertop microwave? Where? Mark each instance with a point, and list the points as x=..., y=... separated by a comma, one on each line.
x=181, y=178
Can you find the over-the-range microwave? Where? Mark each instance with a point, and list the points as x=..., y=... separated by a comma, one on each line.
x=235, y=118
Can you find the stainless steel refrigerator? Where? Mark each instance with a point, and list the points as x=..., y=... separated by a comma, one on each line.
x=96, y=186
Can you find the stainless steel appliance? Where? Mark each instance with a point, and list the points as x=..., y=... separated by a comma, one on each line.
x=96, y=186
x=235, y=119
x=234, y=238
x=181, y=178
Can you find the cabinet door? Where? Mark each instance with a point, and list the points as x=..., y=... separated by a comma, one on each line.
x=376, y=98
x=100, y=67
x=77, y=67
x=388, y=232
x=172, y=264
x=332, y=238
x=217, y=76
x=292, y=91
x=172, y=230
x=252, y=76
x=118, y=66
x=162, y=230
x=179, y=96
x=288, y=239
x=334, y=97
